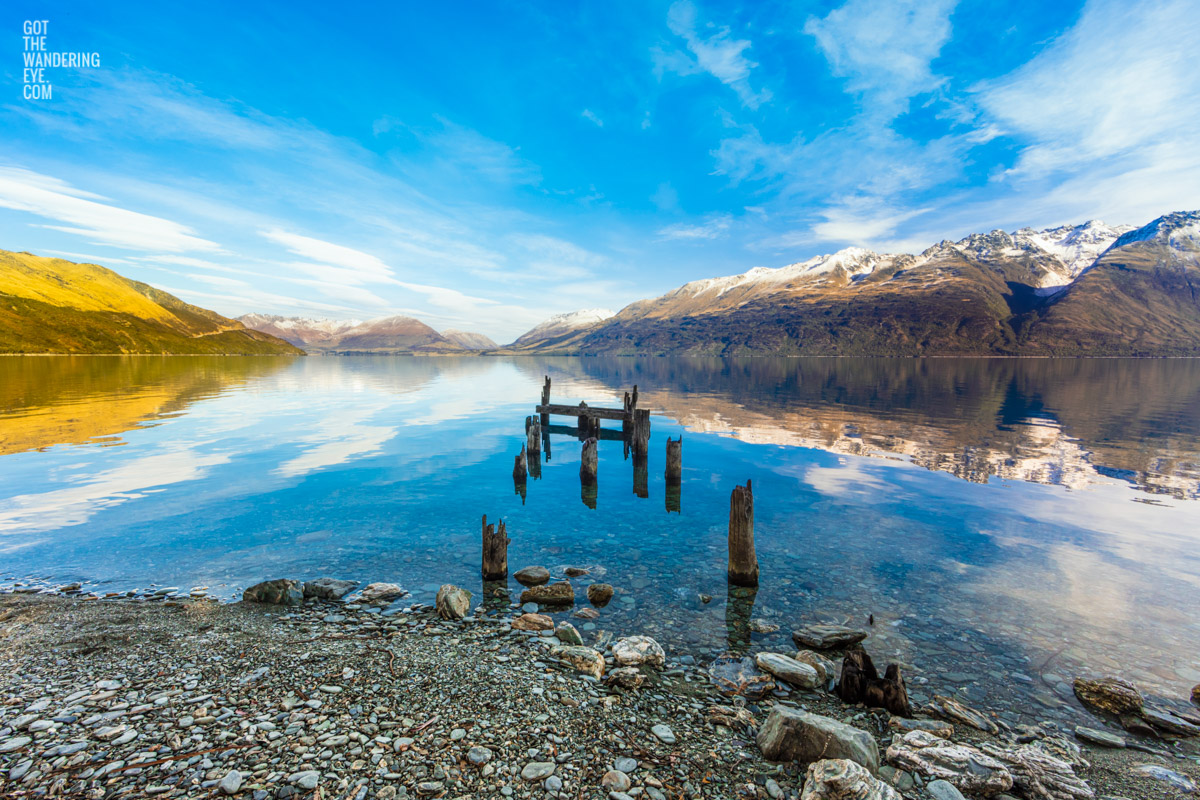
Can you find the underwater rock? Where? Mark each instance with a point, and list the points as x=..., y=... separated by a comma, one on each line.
x=560, y=594
x=533, y=622
x=827, y=637
x=329, y=588
x=739, y=675
x=598, y=594
x=532, y=576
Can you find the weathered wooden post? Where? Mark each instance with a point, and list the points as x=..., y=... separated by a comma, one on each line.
x=673, y=495
x=546, y=392
x=520, y=467
x=633, y=398
x=674, y=473
x=739, y=608
x=627, y=420
x=588, y=462
x=641, y=430
x=495, y=551
x=641, y=475
x=743, y=563
x=583, y=416
x=533, y=435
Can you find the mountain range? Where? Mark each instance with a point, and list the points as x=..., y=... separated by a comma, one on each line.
x=1089, y=289
x=49, y=305
x=389, y=335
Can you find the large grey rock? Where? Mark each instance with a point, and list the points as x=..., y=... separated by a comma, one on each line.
x=552, y=594
x=790, y=734
x=329, y=588
x=537, y=770
x=969, y=769
x=827, y=637
x=1038, y=775
x=1099, y=737
x=532, y=576
x=452, y=602
x=825, y=668
x=1166, y=720
x=231, y=783
x=1109, y=696
x=583, y=659
x=842, y=779
x=788, y=669
x=598, y=594
x=633, y=651
x=279, y=592
x=735, y=675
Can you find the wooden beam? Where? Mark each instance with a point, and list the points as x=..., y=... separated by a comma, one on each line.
x=577, y=411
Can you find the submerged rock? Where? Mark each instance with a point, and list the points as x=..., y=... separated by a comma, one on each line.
x=788, y=669
x=583, y=659
x=576, y=572
x=827, y=637
x=790, y=734
x=279, y=592
x=634, y=651
x=374, y=592
x=587, y=613
x=561, y=593
x=533, y=622
x=598, y=594
x=329, y=588
x=532, y=576
x=452, y=602
x=1109, y=695
x=739, y=675
x=842, y=779
x=967, y=768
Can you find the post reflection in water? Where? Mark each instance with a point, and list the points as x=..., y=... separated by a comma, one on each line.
x=987, y=511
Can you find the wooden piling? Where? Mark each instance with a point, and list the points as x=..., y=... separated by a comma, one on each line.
x=546, y=392
x=588, y=462
x=495, y=551
x=673, y=496
x=674, y=472
x=533, y=435
x=743, y=563
x=640, y=433
x=520, y=467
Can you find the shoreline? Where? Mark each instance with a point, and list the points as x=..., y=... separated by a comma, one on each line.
x=405, y=705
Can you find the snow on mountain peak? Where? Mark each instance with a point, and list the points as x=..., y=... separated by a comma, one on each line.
x=1180, y=229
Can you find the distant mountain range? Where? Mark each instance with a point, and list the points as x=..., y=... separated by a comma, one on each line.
x=1090, y=289
x=389, y=335
x=49, y=305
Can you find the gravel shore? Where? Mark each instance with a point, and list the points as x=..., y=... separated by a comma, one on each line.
x=174, y=699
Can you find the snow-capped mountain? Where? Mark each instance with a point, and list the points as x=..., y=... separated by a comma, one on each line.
x=469, y=340
x=299, y=331
x=561, y=324
x=395, y=334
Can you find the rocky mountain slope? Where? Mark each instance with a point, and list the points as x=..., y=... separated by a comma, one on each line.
x=559, y=328
x=1090, y=289
x=389, y=335
x=50, y=305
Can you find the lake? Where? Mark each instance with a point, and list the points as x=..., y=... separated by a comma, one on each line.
x=1010, y=524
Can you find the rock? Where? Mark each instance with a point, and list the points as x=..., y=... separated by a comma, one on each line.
x=1196, y=694
x=615, y=781
x=790, y=734
x=553, y=784
x=664, y=734
x=231, y=783
x=583, y=659
x=735, y=675
x=576, y=572
x=957, y=712
x=329, y=588
x=1109, y=695
x=842, y=779
x=537, y=770
x=969, y=769
x=935, y=726
x=941, y=790
x=567, y=634
x=762, y=626
x=1137, y=726
x=307, y=779
x=587, y=613
x=731, y=716
x=626, y=765
x=532, y=576
x=375, y=592
x=598, y=594
x=827, y=637
x=479, y=755
x=826, y=669
x=1168, y=776
x=1099, y=737
x=452, y=602
x=1062, y=748
x=533, y=622
x=633, y=651
x=626, y=678
x=552, y=594
x=788, y=669
x=15, y=743
x=280, y=592
x=1166, y=720
x=1038, y=775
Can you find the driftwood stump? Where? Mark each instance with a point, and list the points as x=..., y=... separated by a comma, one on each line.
x=743, y=563
x=588, y=462
x=860, y=683
x=674, y=473
x=495, y=551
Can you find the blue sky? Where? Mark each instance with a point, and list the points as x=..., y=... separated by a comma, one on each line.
x=485, y=165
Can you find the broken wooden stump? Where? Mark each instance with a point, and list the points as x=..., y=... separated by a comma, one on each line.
x=533, y=434
x=546, y=392
x=588, y=462
x=743, y=563
x=674, y=472
x=860, y=683
x=639, y=434
x=495, y=551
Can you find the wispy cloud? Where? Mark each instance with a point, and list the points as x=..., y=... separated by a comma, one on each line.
x=591, y=116
x=712, y=228
x=715, y=52
x=81, y=213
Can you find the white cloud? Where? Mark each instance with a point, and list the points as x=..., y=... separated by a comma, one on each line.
x=590, y=115
x=717, y=54
x=360, y=265
x=714, y=227
x=884, y=47
x=99, y=223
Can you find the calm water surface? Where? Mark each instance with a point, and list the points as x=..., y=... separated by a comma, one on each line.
x=1010, y=524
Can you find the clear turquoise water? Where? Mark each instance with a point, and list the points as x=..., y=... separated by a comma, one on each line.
x=1009, y=524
